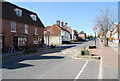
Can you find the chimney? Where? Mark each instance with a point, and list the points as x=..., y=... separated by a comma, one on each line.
x=58, y=23
x=65, y=23
x=62, y=24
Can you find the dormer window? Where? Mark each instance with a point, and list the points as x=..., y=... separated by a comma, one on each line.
x=33, y=17
x=18, y=12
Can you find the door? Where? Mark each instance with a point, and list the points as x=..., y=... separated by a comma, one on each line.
x=15, y=42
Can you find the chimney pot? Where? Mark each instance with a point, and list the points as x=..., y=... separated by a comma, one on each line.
x=58, y=23
x=62, y=24
x=65, y=24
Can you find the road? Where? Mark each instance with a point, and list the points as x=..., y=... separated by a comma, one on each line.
x=52, y=65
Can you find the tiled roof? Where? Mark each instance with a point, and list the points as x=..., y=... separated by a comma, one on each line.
x=9, y=13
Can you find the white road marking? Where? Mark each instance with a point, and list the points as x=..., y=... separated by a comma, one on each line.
x=64, y=53
x=81, y=70
x=101, y=69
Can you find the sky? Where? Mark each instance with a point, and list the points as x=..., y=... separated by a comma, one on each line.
x=79, y=15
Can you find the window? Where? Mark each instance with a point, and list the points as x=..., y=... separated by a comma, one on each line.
x=18, y=11
x=26, y=29
x=22, y=41
x=13, y=26
x=1, y=42
x=36, y=30
x=33, y=17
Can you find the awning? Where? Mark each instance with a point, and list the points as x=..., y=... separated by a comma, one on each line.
x=16, y=35
x=37, y=36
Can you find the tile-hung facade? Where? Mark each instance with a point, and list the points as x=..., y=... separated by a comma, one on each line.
x=20, y=28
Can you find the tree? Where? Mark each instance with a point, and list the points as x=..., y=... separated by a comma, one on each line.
x=105, y=22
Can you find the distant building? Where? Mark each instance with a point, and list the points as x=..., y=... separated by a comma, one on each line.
x=114, y=33
x=119, y=31
x=58, y=34
x=82, y=35
x=70, y=30
x=75, y=35
x=20, y=28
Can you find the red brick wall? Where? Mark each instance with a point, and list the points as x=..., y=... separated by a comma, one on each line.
x=8, y=37
x=7, y=34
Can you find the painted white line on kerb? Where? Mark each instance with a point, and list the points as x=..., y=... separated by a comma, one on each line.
x=100, y=69
x=81, y=70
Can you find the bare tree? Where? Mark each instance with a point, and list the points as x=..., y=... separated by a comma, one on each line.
x=105, y=22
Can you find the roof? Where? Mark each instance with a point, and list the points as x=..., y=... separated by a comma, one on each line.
x=9, y=13
x=54, y=25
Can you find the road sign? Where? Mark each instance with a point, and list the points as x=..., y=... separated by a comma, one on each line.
x=48, y=32
x=95, y=28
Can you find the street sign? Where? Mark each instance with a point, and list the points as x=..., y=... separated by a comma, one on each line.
x=95, y=28
x=48, y=32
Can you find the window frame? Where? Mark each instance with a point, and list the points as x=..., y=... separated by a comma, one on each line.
x=36, y=31
x=34, y=17
x=13, y=28
x=18, y=12
x=26, y=29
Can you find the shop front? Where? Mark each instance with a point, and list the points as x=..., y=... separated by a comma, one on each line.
x=38, y=41
x=19, y=42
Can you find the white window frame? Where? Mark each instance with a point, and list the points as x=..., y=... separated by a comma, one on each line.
x=36, y=30
x=18, y=12
x=26, y=29
x=1, y=46
x=13, y=26
x=34, y=17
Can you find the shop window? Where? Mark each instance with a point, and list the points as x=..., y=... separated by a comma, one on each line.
x=22, y=41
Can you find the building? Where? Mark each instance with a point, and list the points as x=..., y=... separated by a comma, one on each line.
x=58, y=34
x=119, y=31
x=114, y=34
x=82, y=35
x=20, y=28
x=69, y=29
x=75, y=35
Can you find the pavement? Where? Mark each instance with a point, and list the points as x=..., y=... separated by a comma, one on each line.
x=109, y=60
